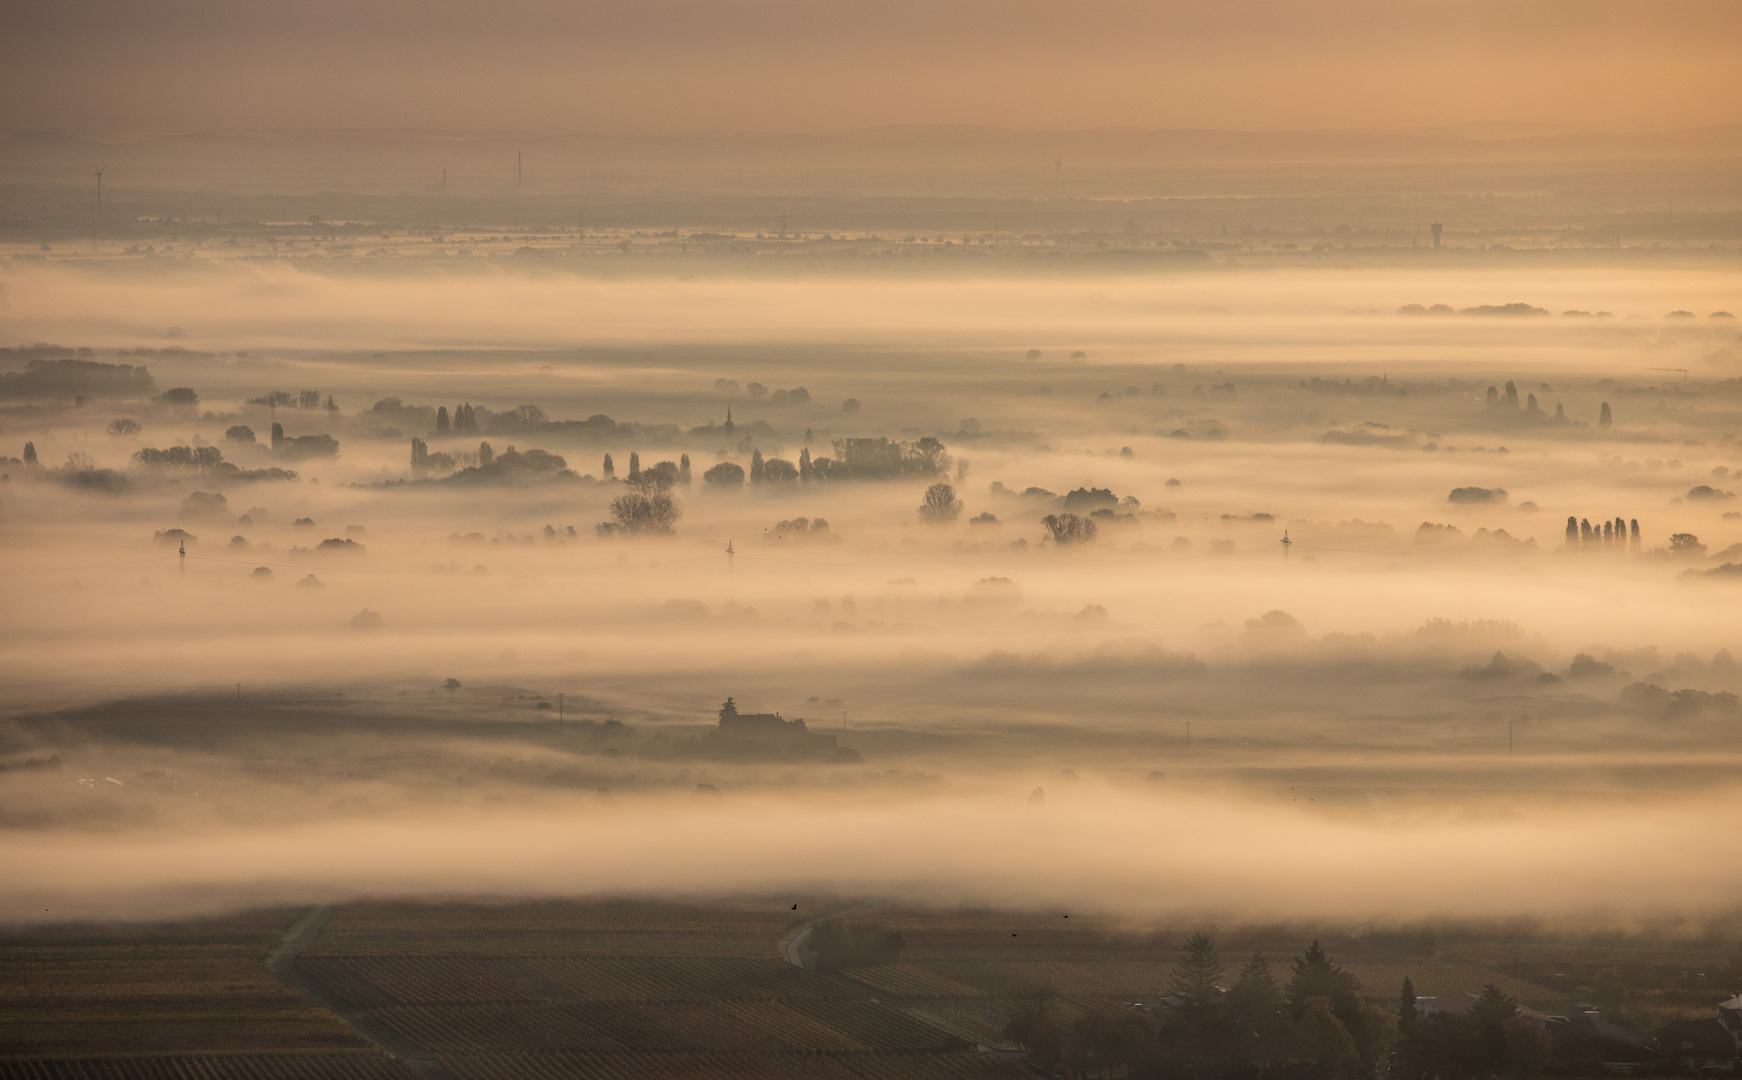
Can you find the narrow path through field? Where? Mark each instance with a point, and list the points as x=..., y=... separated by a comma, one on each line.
x=281, y=961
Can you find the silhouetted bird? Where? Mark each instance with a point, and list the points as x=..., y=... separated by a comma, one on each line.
x=1012, y=935
x=795, y=907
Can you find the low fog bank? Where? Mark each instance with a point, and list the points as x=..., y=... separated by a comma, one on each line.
x=1094, y=849
x=1290, y=314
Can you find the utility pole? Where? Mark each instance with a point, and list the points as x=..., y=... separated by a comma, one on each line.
x=1287, y=545
x=184, y=558
x=729, y=555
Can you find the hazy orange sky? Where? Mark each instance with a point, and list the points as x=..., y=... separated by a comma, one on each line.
x=721, y=66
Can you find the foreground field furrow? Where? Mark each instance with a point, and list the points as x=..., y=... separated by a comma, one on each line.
x=356, y=1065
x=672, y=979
x=610, y=978
x=498, y=1028
x=708, y=1027
x=342, y=978
x=914, y=1067
x=728, y=1066
x=910, y=981
x=1108, y=978
x=878, y=1026
x=796, y=1030
x=436, y=979
x=473, y=1028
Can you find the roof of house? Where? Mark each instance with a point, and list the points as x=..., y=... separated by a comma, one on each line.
x=1705, y=1038
x=1588, y=1036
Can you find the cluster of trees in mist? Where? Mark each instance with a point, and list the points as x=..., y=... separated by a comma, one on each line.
x=53, y=372
x=1319, y=1024
x=1505, y=408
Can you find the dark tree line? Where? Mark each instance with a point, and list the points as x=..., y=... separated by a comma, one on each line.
x=1486, y=1041
x=1318, y=1025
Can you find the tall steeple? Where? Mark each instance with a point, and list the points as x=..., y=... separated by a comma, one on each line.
x=728, y=418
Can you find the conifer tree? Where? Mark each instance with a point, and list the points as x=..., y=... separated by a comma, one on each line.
x=804, y=465
x=1604, y=416
x=1195, y=976
x=683, y=469
x=1406, y=1008
x=758, y=473
x=30, y=453
x=1572, y=532
x=1256, y=1009
x=634, y=466
x=442, y=420
x=1633, y=541
x=609, y=468
x=1316, y=975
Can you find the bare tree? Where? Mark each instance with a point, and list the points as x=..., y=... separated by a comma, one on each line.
x=940, y=506
x=1069, y=528
x=638, y=514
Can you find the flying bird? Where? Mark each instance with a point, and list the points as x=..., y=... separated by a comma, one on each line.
x=795, y=907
